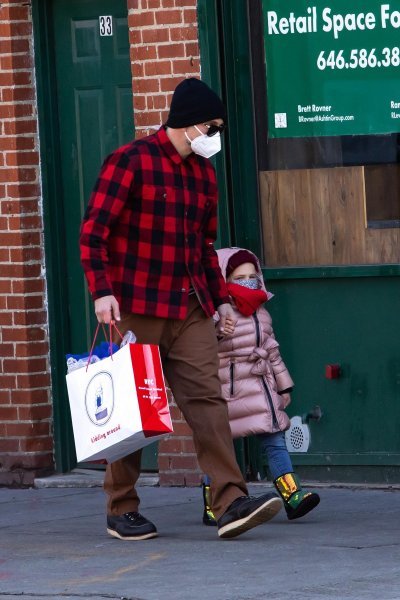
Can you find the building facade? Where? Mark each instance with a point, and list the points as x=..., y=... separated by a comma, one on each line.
x=321, y=207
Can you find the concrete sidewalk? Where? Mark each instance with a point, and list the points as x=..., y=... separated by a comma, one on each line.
x=53, y=544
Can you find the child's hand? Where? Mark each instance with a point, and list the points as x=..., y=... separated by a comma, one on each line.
x=226, y=315
x=286, y=399
x=229, y=328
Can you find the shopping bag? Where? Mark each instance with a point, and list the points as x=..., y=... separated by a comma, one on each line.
x=119, y=404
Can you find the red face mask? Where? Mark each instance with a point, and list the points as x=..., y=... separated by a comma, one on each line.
x=246, y=300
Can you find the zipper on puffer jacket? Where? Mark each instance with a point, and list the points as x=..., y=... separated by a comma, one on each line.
x=232, y=376
x=265, y=386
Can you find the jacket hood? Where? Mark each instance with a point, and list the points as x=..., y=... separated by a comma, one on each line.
x=224, y=255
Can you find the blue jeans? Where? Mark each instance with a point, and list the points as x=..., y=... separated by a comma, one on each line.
x=273, y=447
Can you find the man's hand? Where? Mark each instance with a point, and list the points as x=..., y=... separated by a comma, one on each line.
x=227, y=321
x=107, y=309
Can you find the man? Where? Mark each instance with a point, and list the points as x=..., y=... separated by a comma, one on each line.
x=148, y=255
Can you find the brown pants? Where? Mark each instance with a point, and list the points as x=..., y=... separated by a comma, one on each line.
x=189, y=355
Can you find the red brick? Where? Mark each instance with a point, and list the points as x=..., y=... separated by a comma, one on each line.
x=146, y=86
x=8, y=445
x=20, y=143
x=16, y=270
x=192, y=49
x=159, y=102
x=25, y=365
x=21, y=207
x=23, y=334
x=6, y=350
x=8, y=413
x=153, y=3
x=10, y=78
x=184, y=66
x=25, y=222
x=171, y=50
x=38, y=396
x=183, y=33
x=5, y=397
x=16, y=30
x=146, y=52
x=148, y=119
x=5, y=318
x=186, y=463
x=155, y=36
x=185, y=3
x=137, y=70
x=14, y=159
x=168, y=84
x=4, y=252
x=169, y=17
x=17, y=13
x=23, y=190
x=37, y=444
x=28, y=286
x=143, y=19
x=190, y=16
x=37, y=380
x=135, y=35
x=27, y=429
x=139, y=102
x=18, y=94
x=16, y=61
x=171, y=479
x=20, y=126
x=34, y=413
x=171, y=445
x=24, y=302
x=15, y=45
x=26, y=254
x=5, y=286
x=32, y=349
x=182, y=429
x=34, y=317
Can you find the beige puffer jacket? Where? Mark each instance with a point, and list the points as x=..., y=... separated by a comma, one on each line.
x=251, y=371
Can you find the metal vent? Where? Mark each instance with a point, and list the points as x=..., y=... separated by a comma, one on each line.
x=297, y=436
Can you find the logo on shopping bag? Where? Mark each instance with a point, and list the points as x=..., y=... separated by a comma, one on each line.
x=99, y=398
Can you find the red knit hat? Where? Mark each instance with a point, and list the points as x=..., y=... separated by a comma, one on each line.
x=239, y=258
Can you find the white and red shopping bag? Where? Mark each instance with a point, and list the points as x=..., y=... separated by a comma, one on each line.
x=119, y=404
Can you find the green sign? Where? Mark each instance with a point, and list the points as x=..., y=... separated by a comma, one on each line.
x=332, y=68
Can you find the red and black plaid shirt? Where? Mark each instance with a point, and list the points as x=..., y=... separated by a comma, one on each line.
x=149, y=229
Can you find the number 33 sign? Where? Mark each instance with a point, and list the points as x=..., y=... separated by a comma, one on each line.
x=105, y=25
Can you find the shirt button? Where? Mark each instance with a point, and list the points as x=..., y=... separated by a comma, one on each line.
x=164, y=195
x=183, y=290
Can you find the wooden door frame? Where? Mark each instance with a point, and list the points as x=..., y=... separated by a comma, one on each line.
x=54, y=242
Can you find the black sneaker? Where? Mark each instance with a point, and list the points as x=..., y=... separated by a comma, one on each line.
x=247, y=512
x=131, y=526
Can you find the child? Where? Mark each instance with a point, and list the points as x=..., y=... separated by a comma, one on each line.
x=255, y=382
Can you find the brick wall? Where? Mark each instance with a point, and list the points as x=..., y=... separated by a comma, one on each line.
x=164, y=50
x=26, y=444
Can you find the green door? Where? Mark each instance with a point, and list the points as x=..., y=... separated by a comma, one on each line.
x=95, y=110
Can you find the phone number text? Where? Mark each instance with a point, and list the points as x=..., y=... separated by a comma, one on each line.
x=358, y=59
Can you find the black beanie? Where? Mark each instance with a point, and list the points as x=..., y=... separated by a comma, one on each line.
x=239, y=258
x=194, y=102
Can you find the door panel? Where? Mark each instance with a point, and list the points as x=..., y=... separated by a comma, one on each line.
x=95, y=104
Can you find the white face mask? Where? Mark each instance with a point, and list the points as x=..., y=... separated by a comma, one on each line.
x=204, y=145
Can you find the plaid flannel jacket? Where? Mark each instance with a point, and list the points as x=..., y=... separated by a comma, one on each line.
x=149, y=228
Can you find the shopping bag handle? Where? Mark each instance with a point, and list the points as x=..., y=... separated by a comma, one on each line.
x=111, y=325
